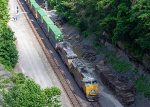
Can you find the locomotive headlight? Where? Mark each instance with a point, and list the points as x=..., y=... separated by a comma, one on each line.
x=92, y=92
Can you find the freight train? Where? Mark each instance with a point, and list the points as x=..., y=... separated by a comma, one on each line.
x=80, y=70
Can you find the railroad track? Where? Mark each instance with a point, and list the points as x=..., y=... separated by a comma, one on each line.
x=53, y=62
x=54, y=65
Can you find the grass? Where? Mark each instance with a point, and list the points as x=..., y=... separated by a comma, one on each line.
x=143, y=86
x=119, y=65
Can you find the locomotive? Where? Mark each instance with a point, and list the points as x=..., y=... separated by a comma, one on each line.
x=80, y=69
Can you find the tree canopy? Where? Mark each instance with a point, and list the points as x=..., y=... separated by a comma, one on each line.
x=4, y=17
x=8, y=52
x=26, y=93
x=127, y=21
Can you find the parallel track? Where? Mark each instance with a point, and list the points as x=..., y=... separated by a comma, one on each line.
x=54, y=64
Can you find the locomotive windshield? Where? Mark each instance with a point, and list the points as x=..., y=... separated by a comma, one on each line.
x=90, y=82
x=94, y=82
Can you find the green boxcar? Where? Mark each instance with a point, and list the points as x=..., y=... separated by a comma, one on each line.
x=41, y=14
x=31, y=1
x=47, y=21
x=49, y=24
x=56, y=32
x=53, y=29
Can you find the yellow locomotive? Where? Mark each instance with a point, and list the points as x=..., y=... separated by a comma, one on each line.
x=81, y=70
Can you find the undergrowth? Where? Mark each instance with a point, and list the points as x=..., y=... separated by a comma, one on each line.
x=118, y=65
x=143, y=86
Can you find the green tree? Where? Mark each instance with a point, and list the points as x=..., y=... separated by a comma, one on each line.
x=26, y=93
x=127, y=21
x=8, y=52
x=4, y=17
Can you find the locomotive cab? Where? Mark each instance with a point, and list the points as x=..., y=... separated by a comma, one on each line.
x=92, y=90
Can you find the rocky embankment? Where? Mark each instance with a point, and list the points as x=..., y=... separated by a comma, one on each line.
x=122, y=89
x=145, y=61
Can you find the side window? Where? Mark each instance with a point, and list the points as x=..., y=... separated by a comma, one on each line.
x=94, y=82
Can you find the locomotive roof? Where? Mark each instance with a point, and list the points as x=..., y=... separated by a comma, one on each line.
x=85, y=69
x=66, y=46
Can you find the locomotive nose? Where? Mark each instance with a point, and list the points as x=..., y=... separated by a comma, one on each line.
x=93, y=92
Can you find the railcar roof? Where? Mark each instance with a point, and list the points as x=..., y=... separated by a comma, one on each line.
x=32, y=1
x=42, y=12
x=35, y=5
x=55, y=30
x=48, y=20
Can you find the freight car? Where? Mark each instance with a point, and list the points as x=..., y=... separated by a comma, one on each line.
x=82, y=73
x=52, y=31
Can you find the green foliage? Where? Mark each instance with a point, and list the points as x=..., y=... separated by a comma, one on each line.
x=52, y=96
x=8, y=52
x=53, y=3
x=98, y=46
x=18, y=78
x=124, y=20
x=4, y=11
x=26, y=93
x=118, y=64
x=143, y=86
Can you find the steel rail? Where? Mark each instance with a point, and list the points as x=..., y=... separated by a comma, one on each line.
x=53, y=63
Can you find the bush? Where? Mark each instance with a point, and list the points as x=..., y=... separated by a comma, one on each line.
x=26, y=93
x=4, y=17
x=8, y=52
x=143, y=86
x=118, y=64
